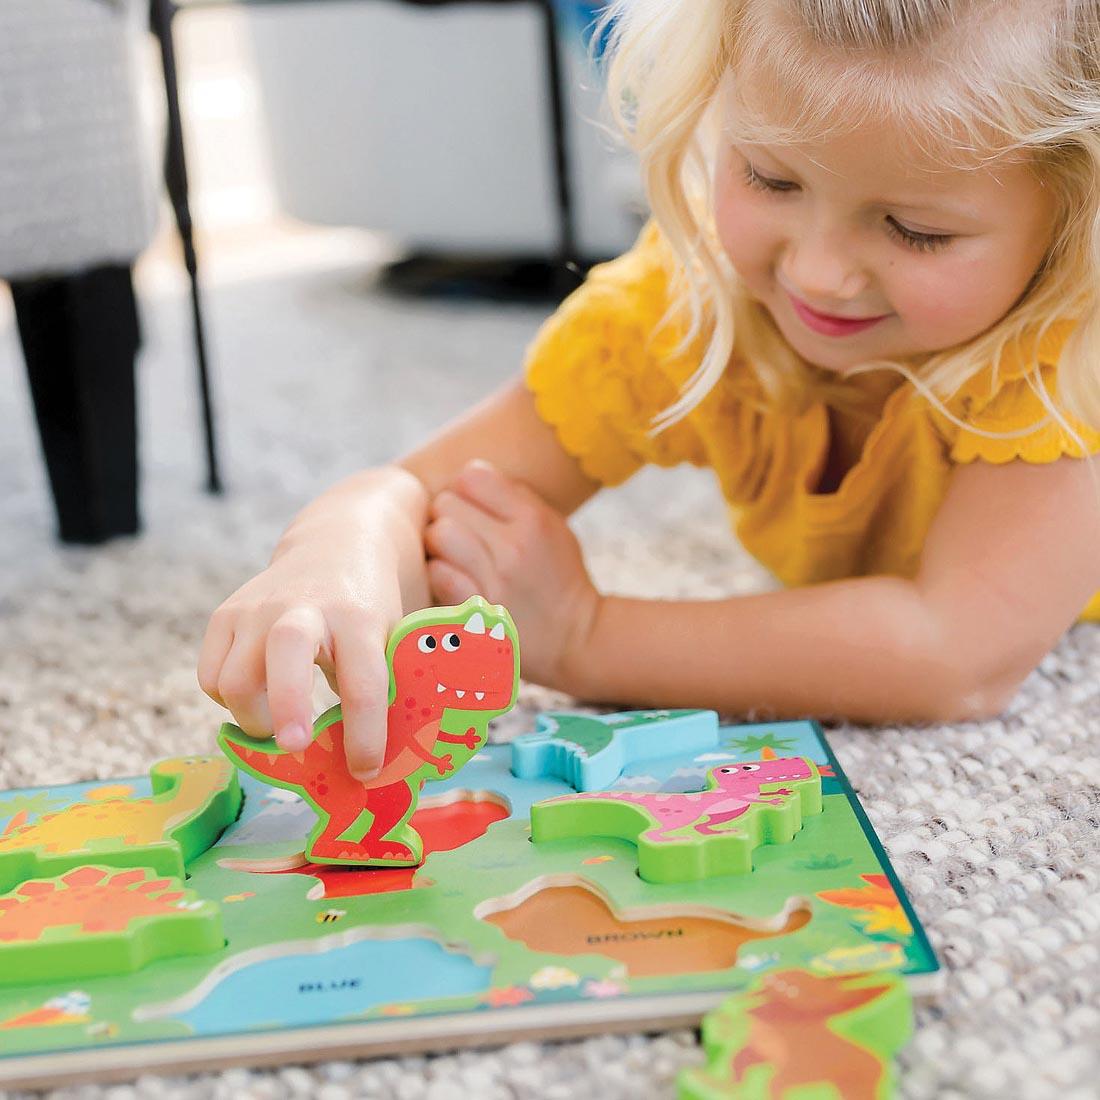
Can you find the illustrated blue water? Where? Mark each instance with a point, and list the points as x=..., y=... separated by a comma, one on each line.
x=311, y=988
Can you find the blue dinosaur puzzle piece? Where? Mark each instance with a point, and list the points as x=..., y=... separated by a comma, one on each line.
x=590, y=751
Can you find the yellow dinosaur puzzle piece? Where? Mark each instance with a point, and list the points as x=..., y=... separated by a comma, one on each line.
x=194, y=798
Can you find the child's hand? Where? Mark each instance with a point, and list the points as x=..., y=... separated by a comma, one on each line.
x=496, y=537
x=306, y=608
x=332, y=594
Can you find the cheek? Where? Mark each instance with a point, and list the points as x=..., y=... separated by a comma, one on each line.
x=948, y=302
x=742, y=229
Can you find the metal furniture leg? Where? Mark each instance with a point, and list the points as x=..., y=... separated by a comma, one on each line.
x=175, y=173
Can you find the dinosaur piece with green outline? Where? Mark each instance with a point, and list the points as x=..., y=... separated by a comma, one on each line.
x=692, y=835
x=794, y=1034
x=452, y=669
x=96, y=920
x=194, y=798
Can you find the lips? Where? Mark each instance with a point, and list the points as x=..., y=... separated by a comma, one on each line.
x=837, y=316
x=828, y=324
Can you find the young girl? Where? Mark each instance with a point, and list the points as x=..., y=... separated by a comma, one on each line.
x=868, y=299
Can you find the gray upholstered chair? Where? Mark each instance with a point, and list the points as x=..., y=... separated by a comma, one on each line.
x=78, y=203
x=77, y=206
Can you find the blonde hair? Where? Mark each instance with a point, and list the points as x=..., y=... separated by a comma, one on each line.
x=976, y=78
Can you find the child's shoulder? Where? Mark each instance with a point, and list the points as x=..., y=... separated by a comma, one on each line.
x=1010, y=409
x=639, y=278
x=622, y=316
x=1019, y=361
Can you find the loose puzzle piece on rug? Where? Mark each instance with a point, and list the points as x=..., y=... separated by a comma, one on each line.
x=794, y=1034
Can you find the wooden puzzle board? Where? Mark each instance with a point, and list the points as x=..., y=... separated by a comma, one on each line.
x=492, y=940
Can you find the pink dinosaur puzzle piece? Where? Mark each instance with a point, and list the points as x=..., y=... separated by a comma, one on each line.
x=686, y=836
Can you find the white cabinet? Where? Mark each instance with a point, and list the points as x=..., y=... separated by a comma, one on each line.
x=433, y=124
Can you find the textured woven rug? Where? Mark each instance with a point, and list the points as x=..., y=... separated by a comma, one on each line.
x=994, y=827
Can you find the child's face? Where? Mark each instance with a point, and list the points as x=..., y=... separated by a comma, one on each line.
x=830, y=231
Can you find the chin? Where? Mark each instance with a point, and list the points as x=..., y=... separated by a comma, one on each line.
x=811, y=350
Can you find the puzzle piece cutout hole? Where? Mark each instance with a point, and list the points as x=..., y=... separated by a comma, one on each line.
x=351, y=972
x=570, y=915
x=446, y=822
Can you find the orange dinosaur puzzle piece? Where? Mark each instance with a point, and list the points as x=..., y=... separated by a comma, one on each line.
x=100, y=920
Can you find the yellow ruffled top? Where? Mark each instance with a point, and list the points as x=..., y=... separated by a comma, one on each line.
x=600, y=369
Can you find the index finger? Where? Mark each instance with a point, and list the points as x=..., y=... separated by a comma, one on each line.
x=216, y=644
x=293, y=642
x=363, y=684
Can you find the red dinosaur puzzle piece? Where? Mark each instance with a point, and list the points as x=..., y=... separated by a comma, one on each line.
x=452, y=669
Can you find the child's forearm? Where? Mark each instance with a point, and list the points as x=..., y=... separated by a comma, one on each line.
x=867, y=649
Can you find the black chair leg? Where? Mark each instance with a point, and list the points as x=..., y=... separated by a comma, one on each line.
x=161, y=13
x=80, y=336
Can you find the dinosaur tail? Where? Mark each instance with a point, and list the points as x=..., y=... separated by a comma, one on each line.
x=273, y=765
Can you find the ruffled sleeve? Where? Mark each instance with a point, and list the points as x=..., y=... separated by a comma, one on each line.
x=1021, y=414
x=598, y=377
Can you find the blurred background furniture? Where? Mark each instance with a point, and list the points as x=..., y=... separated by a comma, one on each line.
x=458, y=128
x=468, y=130
x=78, y=204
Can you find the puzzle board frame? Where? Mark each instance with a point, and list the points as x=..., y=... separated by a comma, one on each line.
x=521, y=993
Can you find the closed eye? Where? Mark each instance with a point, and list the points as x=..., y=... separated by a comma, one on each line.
x=922, y=242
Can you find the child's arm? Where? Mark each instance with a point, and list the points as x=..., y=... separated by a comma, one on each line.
x=1009, y=563
x=507, y=431
x=345, y=571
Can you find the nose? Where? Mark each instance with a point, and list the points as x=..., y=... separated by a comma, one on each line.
x=820, y=267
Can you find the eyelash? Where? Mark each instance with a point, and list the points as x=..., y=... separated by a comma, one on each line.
x=923, y=242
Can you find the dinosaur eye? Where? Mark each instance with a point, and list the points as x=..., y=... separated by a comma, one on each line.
x=726, y=771
x=451, y=642
x=426, y=643
x=750, y=767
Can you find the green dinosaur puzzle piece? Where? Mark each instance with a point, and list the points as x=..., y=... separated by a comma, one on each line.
x=194, y=799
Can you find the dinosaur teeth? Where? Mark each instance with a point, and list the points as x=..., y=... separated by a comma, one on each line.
x=440, y=688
